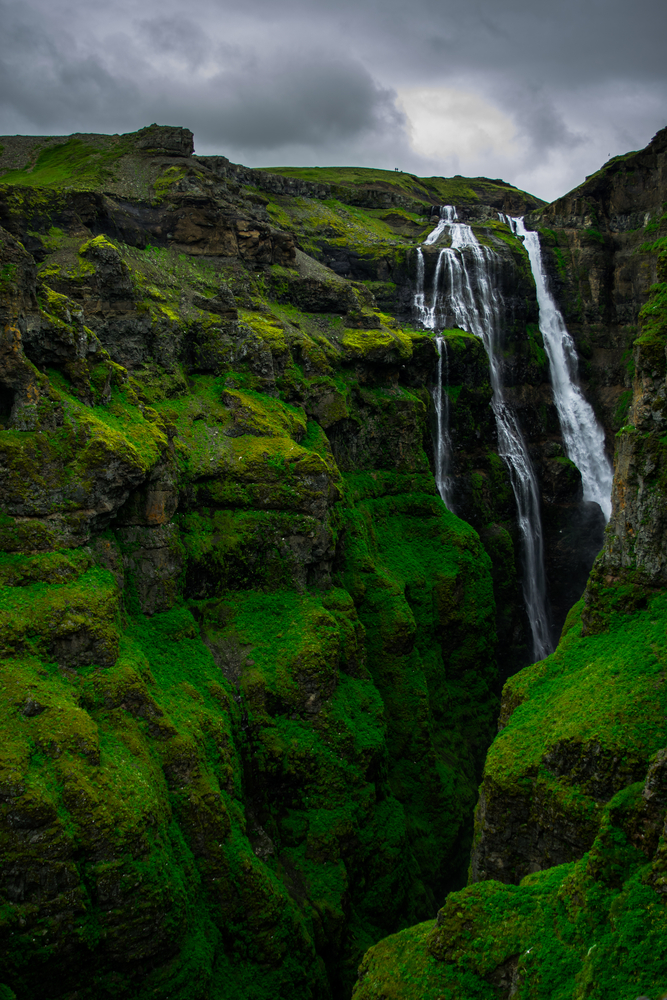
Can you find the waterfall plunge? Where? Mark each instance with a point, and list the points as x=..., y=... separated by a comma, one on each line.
x=473, y=299
x=582, y=434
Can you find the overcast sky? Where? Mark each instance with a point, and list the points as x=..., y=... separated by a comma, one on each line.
x=539, y=92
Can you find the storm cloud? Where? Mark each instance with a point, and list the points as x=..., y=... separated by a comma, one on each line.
x=536, y=92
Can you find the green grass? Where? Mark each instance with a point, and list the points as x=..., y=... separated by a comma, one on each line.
x=70, y=164
x=428, y=190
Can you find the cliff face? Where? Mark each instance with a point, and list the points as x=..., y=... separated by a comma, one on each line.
x=600, y=241
x=542, y=827
x=567, y=867
x=591, y=928
x=248, y=656
x=635, y=551
x=249, y=659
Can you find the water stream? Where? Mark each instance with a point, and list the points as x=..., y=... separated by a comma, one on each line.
x=443, y=441
x=582, y=434
x=471, y=297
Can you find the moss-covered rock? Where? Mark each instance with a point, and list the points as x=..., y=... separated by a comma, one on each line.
x=249, y=656
x=250, y=661
x=585, y=929
x=578, y=727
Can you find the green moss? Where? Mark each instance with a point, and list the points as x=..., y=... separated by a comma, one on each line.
x=406, y=559
x=270, y=330
x=370, y=343
x=600, y=688
x=53, y=240
x=78, y=273
x=592, y=235
x=163, y=184
x=590, y=929
x=653, y=316
x=622, y=409
x=17, y=570
x=8, y=275
x=244, y=549
x=36, y=613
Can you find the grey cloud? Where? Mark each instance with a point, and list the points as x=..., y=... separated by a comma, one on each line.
x=283, y=94
x=304, y=99
x=176, y=35
x=539, y=121
x=571, y=38
x=49, y=80
x=316, y=80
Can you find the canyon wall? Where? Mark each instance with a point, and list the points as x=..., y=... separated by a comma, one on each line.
x=249, y=660
x=567, y=877
x=251, y=664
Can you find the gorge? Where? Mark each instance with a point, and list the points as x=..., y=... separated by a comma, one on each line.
x=312, y=683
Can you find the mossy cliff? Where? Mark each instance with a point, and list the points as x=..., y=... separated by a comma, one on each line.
x=249, y=660
x=567, y=878
x=275, y=229
x=567, y=893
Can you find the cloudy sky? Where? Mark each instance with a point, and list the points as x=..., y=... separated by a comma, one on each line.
x=539, y=92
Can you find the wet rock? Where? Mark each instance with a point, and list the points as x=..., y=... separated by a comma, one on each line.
x=32, y=708
x=153, y=557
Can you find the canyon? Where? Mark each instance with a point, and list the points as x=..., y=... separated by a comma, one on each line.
x=279, y=717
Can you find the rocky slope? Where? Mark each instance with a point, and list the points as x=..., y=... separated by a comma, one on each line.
x=568, y=864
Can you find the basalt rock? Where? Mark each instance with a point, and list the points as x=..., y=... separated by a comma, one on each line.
x=161, y=140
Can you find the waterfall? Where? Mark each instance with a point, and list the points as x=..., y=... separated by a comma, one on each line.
x=475, y=303
x=427, y=314
x=582, y=434
x=419, y=302
x=443, y=442
x=447, y=216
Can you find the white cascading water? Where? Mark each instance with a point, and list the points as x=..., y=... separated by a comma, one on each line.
x=476, y=306
x=582, y=434
x=447, y=216
x=443, y=442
